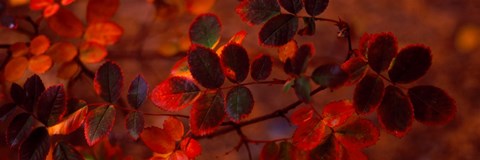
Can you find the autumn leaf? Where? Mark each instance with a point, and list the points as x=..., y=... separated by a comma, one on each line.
x=299, y=63
x=239, y=103
x=15, y=68
x=174, y=128
x=101, y=10
x=309, y=27
x=368, y=94
x=191, y=147
x=329, y=75
x=137, y=92
x=261, y=67
x=92, y=52
x=411, y=63
x=257, y=11
x=99, y=123
x=207, y=113
x=309, y=134
x=51, y=105
x=108, y=81
x=301, y=115
x=135, y=123
x=235, y=62
x=103, y=33
x=158, y=140
x=33, y=89
x=70, y=123
x=36, y=146
x=65, y=24
x=39, y=45
x=302, y=88
x=395, y=112
x=359, y=133
x=432, y=105
x=17, y=94
x=205, y=30
x=292, y=6
x=337, y=113
x=315, y=7
x=64, y=151
x=287, y=51
x=329, y=149
x=356, y=68
x=62, y=52
x=68, y=70
x=270, y=151
x=205, y=67
x=19, y=129
x=279, y=30
x=6, y=110
x=382, y=47
x=174, y=93
x=40, y=64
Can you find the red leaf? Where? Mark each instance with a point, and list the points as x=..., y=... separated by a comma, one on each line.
x=70, y=123
x=135, y=123
x=51, y=105
x=279, y=30
x=329, y=75
x=336, y=113
x=351, y=153
x=65, y=24
x=270, y=151
x=301, y=115
x=261, y=67
x=302, y=88
x=205, y=67
x=191, y=147
x=36, y=146
x=108, y=81
x=207, y=113
x=235, y=62
x=174, y=94
x=137, y=92
x=432, y=105
x=17, y=93
x=382, y=47
x=178, y=155
x=411, y=63
x=174, y=128
x=205, y=30
x=40, y=4
x=158, y=140
x=299, y=63
x=103, y=33
x=356, y=68
x=364, y=43
x=101, y=10
x=309, y=28
x=257, y=11
x=328, y=150
x=309, y=134
x=181, y=69
x=395, y=113
x=287, y=150
x=368, y=94
x=315, y=7
x=360, y=133
x=33, y=89
x=19, y=129
x=239, y=103
x=99, y=123
x=292, y=6
x=64, y=151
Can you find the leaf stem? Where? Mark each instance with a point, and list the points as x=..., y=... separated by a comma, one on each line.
x=274, y=81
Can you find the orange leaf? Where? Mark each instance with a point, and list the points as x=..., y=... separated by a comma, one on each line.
x=19, y=49
x=237, y=38
x=51, y=10
x=15, y=68
x=191, y=147
x=178, y=155
x=39, y=45
x=336, y=113
x=39, y=4
x=65, y=24
x=287, y=51
x=92, y=52
x=62, y=52
x=103, y=33
x=199, y=6
x=40, y=64
x=158, y=140
x=68, y=70
x=101, y=10
x=70, y=123
x=67, y=2
x=174, y=128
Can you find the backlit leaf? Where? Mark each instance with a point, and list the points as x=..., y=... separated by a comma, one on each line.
x=238, y=37
x=364, y=43
x=382, y=47
x=92, y=52
x=191, y=147
x=174, y=93
x=301, y=115
x=39, y=4
x=19, y=49
x=279, y=30
x=315, y=7
x=329, y=75
x=309, y=134
x=137, y=92
x=103, y=33
x=62, y=52
x=36, y=146
x=239, y=103
x=235, y=62
x=108, y=81
x=395, y=113
x=15, y=68
x=309, y=28
x=6, y=110
x=66, y=2
x=70, y=123
x=257, y=11
x=328, y=150
x=66, y=24
x=411, y=63
x=336, y=113
x=180, y=69
x=135, y=123
x=99, y=123
x=19, y=129
x=261, y=67
x=432, y=105
x=292, y=6
x=33, y=88
x=207, y=113
x=287, y=51
x=356, y=68
x=40, y=64
x=302, y=88
x=68, y=70
x=205, y=30
x=101, y=10
x=174, y=127
x=368, y=94
x=39, y=45
x=178, y=155
x=270, y=151
x=52, y=105
x=51, y=10
x=158, y=140
x=17, y=93
x=64, y=151
x=358, y=134
x=205, y=67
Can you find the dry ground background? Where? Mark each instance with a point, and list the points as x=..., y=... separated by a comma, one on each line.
x=450, y=27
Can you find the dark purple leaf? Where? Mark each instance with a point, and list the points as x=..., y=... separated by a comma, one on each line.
x=99, y=123
x=395, y=113
x=19, y=129
x=137, y=92
x=33, y=88
x=205, y=67
x=359, y=133
x=36, y=146
x=17, y=93
x=64, y=151
x=368, y=94
x=279, y=30
x=315, y=7
x=302, y=88
x=174, y=94
x=270, y=151
x=51, y=105
x=6, y=110
x=261, y=67
x=309, y=28
x=74, y=104
x=108, y=82
x=356, y=68
x=205, y=30
x=235, y=62
x=135, y=123
x=432, y=105
x=257, y=11
x=299, y=63
x=328, y=150
x=411, y=63
x=292, y=6
x=329, y=75
x=207, y=113
x=239, y=103
x=382, y=47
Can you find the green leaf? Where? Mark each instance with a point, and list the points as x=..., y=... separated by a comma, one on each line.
x=52, y=105
x=256, y=12
x=135, y=123
x=174, y=94
x=36, y=146
x=205, y=67
x=302, y=88
x=239, y=103
x=64, y=151
x=108, y=81
x=99, y=123
x=279, y=30
x=137, y=92
x=207, y=113
x=205, y=30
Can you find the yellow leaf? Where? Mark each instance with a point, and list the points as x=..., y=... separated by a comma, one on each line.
x=40, y=64
x=15, y=68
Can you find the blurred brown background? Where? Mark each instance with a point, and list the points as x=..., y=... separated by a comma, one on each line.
x=451, y=28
